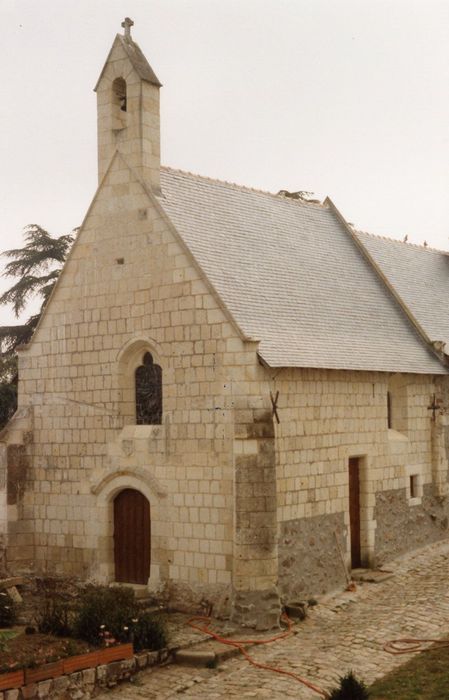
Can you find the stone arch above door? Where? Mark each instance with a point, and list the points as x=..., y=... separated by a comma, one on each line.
x=106, y=489
x=113, y=482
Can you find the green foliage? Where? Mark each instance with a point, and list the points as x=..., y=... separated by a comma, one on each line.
x=8, y=610
x=5, y=636
x=350, y=689
x=8, y=386
x=33, y=264
x=149, y=632
x=425, y=676
x=55, y=617
x=8, y=402
x=71, y=648
x=56, y=609
x=104, y=613
x=36, y=266
x=105, y=610
x=13, y=336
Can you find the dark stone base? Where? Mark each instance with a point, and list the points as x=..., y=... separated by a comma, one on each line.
x=260, y=610
x=401, y=527
x=199, y=599
x=309, y=561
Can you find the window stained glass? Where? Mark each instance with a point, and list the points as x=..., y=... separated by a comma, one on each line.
x=148, y=392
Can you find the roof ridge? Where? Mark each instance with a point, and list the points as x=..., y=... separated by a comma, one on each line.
x=236, y=186
x=397, y=240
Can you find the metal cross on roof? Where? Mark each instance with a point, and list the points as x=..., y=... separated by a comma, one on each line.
x=127, y=24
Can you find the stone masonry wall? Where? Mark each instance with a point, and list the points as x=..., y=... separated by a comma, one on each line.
x=309, y=560
x=256, y=598
x=129, y=285
x=325, y=418
x=401, y=527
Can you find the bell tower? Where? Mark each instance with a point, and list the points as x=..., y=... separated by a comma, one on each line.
x=128, y=110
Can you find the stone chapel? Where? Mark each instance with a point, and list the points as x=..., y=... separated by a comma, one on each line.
x=231, y=394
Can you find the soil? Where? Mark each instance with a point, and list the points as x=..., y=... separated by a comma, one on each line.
x=24, y=650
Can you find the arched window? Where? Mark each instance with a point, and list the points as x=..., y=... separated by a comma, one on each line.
x=119, y=104
x=148, y=392
x=119, y=92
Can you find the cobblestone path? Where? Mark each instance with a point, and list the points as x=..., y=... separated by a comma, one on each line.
x=345, y=632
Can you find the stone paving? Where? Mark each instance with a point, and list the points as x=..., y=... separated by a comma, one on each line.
x=343, y=632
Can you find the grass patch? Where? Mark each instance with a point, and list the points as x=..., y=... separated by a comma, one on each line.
x=424, y=677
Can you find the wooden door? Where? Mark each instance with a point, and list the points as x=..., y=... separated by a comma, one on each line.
x=354, y=511
x=132, y=537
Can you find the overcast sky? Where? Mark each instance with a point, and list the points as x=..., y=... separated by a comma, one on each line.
x=342, y=98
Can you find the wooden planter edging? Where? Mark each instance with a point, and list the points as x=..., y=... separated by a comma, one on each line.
x=13, y=679
x=16, y=679
x=124, y=651
x=86, y=671
x=42, y=673
x=80, y=662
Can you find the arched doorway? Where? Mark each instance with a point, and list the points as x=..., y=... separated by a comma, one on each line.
x=132, y=537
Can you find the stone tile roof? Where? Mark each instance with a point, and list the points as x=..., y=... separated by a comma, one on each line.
x=421, y=278
x=137, y=58
x=293, y=278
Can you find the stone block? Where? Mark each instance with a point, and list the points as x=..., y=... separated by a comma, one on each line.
x=153, y=658
x=102, y=674
x=61, y=684
x=11, y=694
x=141, y=660
x=43, y=689
x=76, y=678
x=89, y=676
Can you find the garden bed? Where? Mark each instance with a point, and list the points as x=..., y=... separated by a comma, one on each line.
x=27, y=660
x=76, y=640
x=32, y=650
x=78, y=675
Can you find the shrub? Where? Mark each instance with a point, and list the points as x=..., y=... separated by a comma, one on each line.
x=149, y=632
x=54, y=617
x=8, y=610
x=350, y=689
x=102, y=610
x=56, y=607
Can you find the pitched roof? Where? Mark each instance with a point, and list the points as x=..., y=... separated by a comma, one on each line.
x=293, y=278
x=137, y=58
x=421, y=278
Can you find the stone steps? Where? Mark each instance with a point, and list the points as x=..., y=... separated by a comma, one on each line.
x=209, y=654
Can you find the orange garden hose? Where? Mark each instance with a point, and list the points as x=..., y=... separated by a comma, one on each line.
x=394, y=646
x=239, y=644
x=407, y=646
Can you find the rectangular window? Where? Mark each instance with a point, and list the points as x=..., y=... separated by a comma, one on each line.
x=414, y=486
